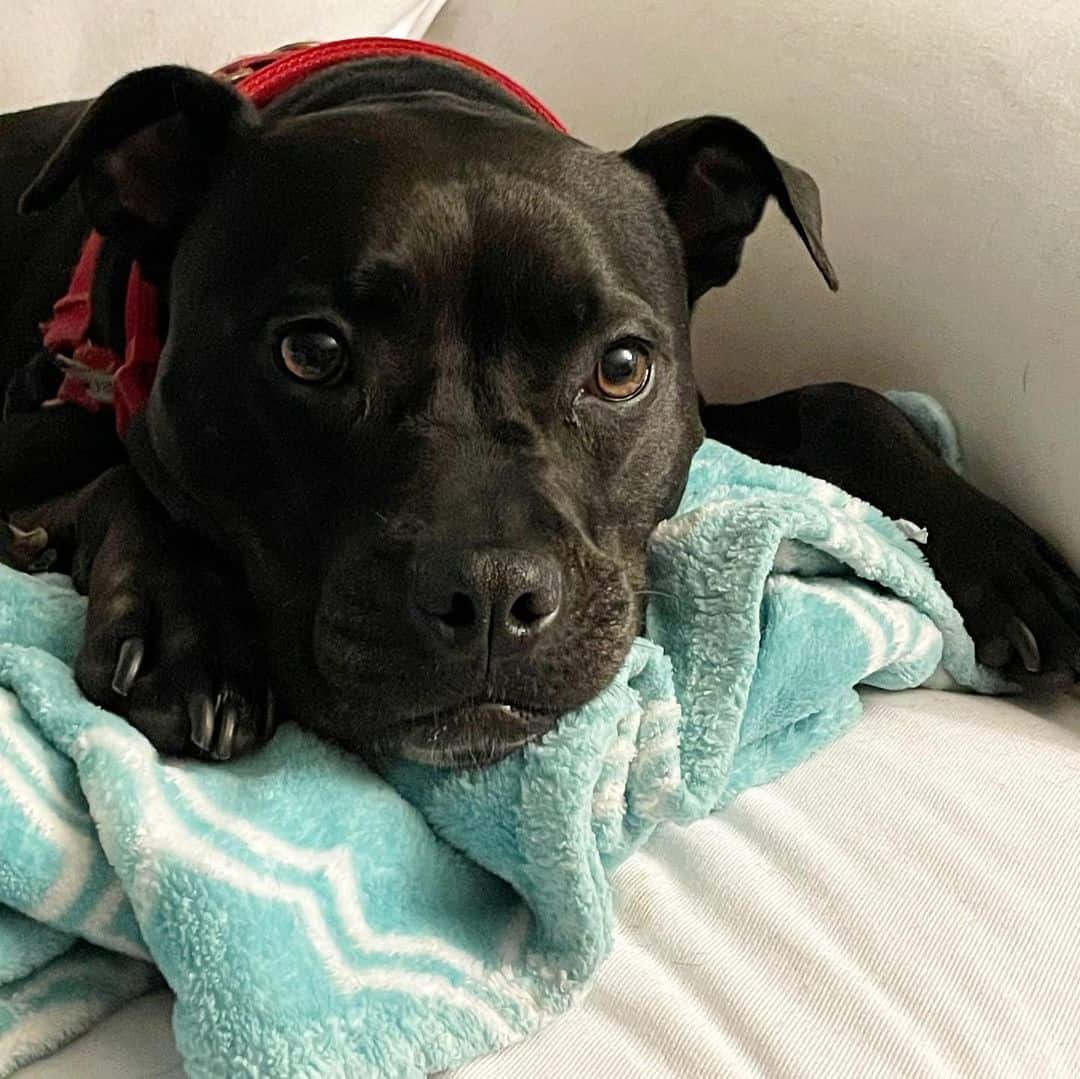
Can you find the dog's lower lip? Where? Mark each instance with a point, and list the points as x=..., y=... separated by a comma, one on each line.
x=473, y=734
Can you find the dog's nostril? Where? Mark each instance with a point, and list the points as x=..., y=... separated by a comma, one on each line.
x=461, y=614
x=465, y=597
x=532, y=607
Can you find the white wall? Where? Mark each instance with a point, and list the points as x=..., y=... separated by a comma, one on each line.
x=63, y=50
x=945, y=135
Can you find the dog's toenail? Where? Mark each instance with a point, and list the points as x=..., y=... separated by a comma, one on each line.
x=228, y=713
x=1023, y=640
x=201, y=713
x=127, y=666
x=36, y=539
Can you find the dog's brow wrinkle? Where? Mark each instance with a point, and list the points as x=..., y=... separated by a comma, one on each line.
x=513, y=433
x=383, y=280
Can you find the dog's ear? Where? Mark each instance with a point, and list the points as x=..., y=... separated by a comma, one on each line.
x=143, y=151
x=715, y=177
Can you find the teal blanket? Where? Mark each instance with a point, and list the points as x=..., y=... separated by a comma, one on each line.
x=314, y=918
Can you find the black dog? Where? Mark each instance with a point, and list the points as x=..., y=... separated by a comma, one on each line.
x=425, y=392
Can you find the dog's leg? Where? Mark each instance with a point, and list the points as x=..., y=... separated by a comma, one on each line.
x=53, y=450
x=1018, y=596
x=170, y=641
x=44, y=453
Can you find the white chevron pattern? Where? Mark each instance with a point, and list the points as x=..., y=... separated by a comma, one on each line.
x=182, y=845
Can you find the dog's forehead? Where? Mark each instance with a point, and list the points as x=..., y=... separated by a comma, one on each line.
x=439, y=190
x=429, y=137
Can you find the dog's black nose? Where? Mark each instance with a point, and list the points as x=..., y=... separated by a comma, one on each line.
x=509, y=597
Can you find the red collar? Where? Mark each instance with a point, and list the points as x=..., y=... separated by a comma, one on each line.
x=98, y=376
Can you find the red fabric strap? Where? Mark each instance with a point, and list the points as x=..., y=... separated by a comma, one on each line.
x=283, y=74
x=90, y=367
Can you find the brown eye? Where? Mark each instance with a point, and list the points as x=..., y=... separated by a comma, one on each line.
x=312, y=352
x=623, y=371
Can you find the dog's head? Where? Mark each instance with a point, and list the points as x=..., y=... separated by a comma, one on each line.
x=426, y=380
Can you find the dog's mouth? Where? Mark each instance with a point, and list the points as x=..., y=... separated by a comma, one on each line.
x=472, y=735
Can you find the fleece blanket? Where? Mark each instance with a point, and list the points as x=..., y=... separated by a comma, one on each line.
x=314, y=918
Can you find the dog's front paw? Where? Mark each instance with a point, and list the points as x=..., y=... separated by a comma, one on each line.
x=169, y=643
x=167, y=646
x=1019, y=598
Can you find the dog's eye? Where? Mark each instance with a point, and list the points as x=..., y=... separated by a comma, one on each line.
x=312, y=352
x=623, y=371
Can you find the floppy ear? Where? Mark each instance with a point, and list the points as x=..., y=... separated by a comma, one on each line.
x=715, y=177
x=142, y=153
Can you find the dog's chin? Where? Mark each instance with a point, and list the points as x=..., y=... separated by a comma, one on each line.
x=471, y=735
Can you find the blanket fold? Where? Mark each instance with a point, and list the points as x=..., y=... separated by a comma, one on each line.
x=313, y=917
